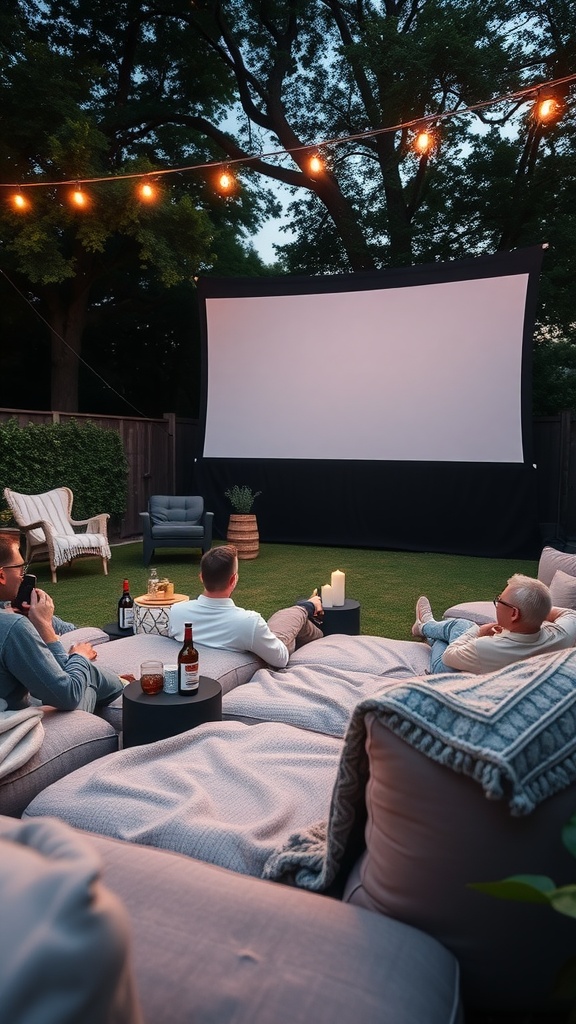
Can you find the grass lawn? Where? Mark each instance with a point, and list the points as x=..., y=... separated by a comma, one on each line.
x=386, y=583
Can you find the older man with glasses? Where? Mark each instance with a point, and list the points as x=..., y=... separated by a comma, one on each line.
x=526, y=624
x=33, y=662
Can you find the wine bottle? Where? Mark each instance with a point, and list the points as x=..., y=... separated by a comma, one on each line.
x=188, y=676
x=126, y=608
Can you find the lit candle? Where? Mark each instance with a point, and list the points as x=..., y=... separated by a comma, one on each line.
x=338, y=582
x=326, y=594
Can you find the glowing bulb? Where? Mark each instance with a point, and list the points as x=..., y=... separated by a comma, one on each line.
x=315, y=165
x=423, y=143
x=79, y=198
x=19, y=202
x=147, y=192
x=226, y=181
x=547, y=109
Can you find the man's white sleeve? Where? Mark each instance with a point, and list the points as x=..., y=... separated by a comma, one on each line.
x=462, y=654
x=269, y=647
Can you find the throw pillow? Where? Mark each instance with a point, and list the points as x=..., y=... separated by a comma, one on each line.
x=551, y=561
x=563, y=590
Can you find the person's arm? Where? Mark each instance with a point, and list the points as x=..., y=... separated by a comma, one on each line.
x=558, y=613
x=45, y=670
x=267, y=646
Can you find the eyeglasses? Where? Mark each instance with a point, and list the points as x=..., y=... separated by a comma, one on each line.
x=21, y=565
x=498, y=600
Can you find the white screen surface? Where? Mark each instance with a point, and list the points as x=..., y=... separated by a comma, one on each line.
x=421, y=373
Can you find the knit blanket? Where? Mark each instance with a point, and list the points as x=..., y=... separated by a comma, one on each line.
x=513, y=731
x=225, y=792
x=21, y=736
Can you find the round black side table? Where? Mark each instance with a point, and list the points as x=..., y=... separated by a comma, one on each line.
x=150, y=717
x=343, y=619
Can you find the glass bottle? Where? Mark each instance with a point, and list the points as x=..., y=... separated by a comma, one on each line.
x=152, y=583
x=188, y=676
x=126, y=608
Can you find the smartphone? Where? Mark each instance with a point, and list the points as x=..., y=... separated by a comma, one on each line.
x=24, y=592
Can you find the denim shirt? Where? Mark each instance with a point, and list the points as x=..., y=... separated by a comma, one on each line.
x=28, y=666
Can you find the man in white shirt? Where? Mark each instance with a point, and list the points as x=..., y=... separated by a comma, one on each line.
x=526, y=624
x=218, y=622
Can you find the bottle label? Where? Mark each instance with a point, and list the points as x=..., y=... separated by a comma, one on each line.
x=188, y=677
x=126, y=618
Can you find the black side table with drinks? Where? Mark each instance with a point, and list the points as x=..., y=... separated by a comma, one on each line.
x=169, y=699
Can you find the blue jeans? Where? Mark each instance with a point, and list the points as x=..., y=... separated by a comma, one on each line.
x=439, y=635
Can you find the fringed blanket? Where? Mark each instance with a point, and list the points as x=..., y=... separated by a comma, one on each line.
x=21, y=736
x=513, y=731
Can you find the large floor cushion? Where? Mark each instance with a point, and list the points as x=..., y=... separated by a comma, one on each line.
x=208, y=945
x=431, y=832
x=557, y=569
x=71, y=739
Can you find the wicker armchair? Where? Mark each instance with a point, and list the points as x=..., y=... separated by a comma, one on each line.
x=46, y=521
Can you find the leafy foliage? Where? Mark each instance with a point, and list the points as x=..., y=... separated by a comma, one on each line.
x=88, y=459
x=242, y=498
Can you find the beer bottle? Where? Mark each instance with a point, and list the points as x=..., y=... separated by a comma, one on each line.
x=126, y=608
x=188, y=676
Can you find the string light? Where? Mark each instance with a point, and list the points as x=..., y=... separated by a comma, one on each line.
x=547, y=109
x=424, y=142
x=226, y=182
x=79, y=198
x=20, y=202
x=315, y=164
x=147, y=192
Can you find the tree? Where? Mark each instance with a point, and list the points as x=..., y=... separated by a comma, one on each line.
x=80, y=86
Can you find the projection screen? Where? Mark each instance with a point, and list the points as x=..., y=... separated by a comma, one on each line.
x=380, y=382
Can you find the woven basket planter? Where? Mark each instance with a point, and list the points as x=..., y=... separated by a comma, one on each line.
x=243, y=533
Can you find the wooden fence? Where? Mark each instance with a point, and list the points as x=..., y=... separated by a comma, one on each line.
x=161, y=454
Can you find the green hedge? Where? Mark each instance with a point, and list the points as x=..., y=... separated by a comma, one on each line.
x=88, y=459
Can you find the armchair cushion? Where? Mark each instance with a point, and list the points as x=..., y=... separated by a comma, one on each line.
x=175, y=509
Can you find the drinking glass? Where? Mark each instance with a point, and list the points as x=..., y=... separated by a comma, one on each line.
x=151, y=676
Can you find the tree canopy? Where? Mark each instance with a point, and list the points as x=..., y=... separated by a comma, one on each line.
x=100, y=89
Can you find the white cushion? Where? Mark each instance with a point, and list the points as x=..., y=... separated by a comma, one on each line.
x=551, y=560
x=477, y=611
x=563, y=590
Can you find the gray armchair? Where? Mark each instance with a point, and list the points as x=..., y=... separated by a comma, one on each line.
x=175, y=521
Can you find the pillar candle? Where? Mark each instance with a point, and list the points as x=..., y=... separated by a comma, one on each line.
x=338, y=582
x=326, y=595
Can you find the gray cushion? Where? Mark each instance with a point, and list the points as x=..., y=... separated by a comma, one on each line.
x=267, y=954
x=65, y=938
x=179, y=531
x=165, y=508
x=430, y=832
x=72, y=739
x=477, y=611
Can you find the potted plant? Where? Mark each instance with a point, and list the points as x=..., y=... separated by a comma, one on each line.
x=242, y=525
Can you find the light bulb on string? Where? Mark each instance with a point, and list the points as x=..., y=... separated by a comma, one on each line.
x=424, y=142
x=19, y=202
x=226, y=182
x=79, y=198
x=147, y=192
x=315, y=164
x=547, y=109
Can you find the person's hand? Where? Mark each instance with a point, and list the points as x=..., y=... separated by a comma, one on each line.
x=85, y=649
x=317, y=602
x=489, y=629
x=40, y=612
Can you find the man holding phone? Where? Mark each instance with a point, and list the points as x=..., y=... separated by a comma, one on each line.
x=33, y=662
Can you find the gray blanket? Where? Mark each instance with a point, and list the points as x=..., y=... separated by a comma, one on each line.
x=21, y=736
x=224, y=792
x=324, y=682
x=513, y=731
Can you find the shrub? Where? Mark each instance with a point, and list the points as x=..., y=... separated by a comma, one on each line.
x=88, y=459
